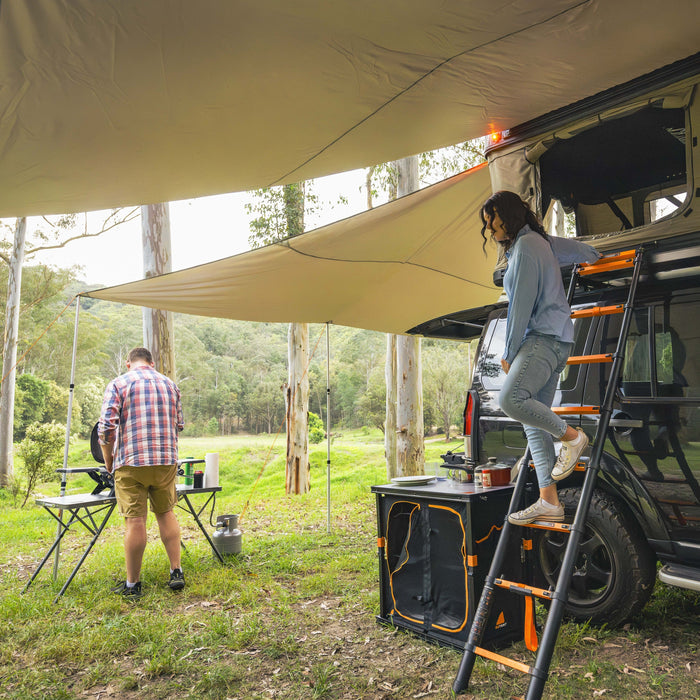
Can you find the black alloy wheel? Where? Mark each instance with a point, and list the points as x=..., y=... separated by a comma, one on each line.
x=615, y=569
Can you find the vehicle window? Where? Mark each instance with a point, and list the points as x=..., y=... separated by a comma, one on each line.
x=659, y=206
x=654, y=366
x=660, y=390
x=489, y=364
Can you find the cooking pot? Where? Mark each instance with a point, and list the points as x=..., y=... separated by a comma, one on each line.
x=494, y=474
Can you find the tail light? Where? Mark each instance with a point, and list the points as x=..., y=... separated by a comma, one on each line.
x=470, y=423
x=468, y=409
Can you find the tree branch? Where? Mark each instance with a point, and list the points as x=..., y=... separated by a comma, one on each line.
x=106, y=226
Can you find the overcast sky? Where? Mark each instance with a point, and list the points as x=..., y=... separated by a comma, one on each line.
x=201, y=230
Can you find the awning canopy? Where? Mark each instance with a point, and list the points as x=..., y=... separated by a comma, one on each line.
x=105, y=104
x=388, y=269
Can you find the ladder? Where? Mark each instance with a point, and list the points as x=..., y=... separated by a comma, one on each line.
x=539, y=671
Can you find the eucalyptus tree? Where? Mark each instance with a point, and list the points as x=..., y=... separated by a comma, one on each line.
x=158, y=333
x=15, y=249
x=280, y=214
x=401, y=434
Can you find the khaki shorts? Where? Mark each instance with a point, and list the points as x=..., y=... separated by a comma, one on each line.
x=134, y=485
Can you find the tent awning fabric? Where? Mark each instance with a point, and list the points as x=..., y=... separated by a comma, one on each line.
x=106, y=104
x=387, y=269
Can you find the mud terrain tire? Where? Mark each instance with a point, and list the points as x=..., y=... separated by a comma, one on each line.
x=615, y=569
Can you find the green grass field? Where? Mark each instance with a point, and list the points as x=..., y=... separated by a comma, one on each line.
x=293, y=616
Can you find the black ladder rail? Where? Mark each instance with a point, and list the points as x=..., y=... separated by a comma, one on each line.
x=539, y=672
x=481, y=614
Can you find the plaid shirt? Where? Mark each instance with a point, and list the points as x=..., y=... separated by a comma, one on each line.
x=142, y=414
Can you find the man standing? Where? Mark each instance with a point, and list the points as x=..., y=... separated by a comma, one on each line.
x=138, y=431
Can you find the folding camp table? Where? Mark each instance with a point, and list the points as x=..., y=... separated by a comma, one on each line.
x=93, y=511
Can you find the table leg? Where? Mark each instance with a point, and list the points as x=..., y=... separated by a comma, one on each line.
x=63, y=528
x=98, y=532
x=195, y=514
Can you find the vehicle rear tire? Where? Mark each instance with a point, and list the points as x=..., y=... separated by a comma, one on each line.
x=615, y=569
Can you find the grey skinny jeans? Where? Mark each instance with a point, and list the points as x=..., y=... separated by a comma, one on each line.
x=527, y=395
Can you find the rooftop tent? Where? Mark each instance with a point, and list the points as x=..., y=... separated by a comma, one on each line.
x=387, y=269
x=105, y=104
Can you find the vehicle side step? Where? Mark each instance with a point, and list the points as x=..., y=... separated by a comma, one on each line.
x=680, y=576
x=673, y=502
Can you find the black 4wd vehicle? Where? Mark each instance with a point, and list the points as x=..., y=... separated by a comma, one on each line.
x=621, y=170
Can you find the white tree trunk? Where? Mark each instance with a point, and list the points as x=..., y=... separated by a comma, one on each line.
x=297, y=406
x=390, y=421
x=158, y=334
x=9, y=358
x=409, y=411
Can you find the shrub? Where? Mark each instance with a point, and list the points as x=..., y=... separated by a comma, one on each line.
x=316, y=430
x=41, y=451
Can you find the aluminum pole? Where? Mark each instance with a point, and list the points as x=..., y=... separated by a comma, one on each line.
x=64, y=474
x=328, y=428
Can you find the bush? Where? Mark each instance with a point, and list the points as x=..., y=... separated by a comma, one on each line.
x=316, y=430
x=31, y=394
x=41, y=451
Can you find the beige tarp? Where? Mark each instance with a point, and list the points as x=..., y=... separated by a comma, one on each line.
x=387, y=269
x=108, y=103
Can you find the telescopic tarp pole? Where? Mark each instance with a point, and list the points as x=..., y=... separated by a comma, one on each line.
x=328, y=428
x=64, y=474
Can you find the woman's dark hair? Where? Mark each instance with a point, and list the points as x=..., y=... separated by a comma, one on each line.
x=514, y=213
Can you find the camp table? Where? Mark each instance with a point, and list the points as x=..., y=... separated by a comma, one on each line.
x=93, y=511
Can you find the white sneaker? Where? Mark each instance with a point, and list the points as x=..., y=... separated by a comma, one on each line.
x=569, y=456
x=539, y=510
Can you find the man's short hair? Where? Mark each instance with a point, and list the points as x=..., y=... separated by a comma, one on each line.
x=140, y=354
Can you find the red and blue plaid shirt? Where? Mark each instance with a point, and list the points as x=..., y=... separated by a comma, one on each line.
x=142, y=415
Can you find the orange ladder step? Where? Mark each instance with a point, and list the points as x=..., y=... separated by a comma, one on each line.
x=608, y=263
x=580, y=466
x=598, y=311
x=672, y=502
x=498, y=658
x=524, y=588
x=576, y=410
x=589, y=359
x=548, y=525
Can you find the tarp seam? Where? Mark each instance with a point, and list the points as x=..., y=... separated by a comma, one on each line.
x=442, y=64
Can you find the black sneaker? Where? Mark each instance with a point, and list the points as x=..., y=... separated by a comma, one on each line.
x=133, y=593
x=177, y=580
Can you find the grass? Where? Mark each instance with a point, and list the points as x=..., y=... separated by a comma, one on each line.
x=293, y=616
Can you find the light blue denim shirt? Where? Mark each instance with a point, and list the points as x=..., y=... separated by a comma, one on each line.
x=534, y=287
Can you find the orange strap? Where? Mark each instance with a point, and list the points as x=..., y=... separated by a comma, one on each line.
x=530, y=631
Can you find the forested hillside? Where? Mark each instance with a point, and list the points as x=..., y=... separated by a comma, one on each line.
x=230, y=372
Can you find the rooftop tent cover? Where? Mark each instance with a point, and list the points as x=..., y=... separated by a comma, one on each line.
x=105, y=104
x=387, y=269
